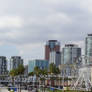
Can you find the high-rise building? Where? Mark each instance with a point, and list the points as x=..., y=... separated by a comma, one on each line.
x=88, y=48
x=58, y=58
x=15, y=61
x=42, y=64
x=70, y=53
x=55, y=57
x=69, y=57
x=3, y=65
x=51, y=45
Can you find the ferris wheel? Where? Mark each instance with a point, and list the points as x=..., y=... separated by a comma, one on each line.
x=84, y=79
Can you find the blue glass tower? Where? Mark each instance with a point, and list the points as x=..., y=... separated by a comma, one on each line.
x=88, y=48
x=42, y=64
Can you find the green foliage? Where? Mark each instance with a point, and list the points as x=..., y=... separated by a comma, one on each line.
x=18, y=71
x=31, y=74
x=12, y=91
x=13, y=72
x=44, y=72
x=53, y=69
x=57, y=71
x=38, y=71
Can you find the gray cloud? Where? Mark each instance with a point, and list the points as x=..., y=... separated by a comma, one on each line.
x=30, y=22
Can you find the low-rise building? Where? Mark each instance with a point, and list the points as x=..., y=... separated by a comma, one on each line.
x=42, y=64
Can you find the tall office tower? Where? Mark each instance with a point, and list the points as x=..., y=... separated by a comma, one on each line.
x=55, y=57
x=70, y=53
x=3, y=65
x=15, y=61
x=88, y=48
x=51, y=45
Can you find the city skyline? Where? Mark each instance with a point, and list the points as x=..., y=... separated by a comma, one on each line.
x=25, y=26
x=61, y=49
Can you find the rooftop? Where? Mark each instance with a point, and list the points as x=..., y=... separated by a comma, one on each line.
x=71, y=45
x=89, y=34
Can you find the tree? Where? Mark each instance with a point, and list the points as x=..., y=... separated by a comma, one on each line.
x=52, y=68
x=37, y=71
x=54, y=71
x=43, y=72
x=20, y=69
x=31, y=74
x=14, y=72
x=57, y=71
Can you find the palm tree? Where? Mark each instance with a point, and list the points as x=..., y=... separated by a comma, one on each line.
x=52, y=68
x=13, y=73
x=43, y=73
x=57, y=71
x=54, y=71
x=31, y=74
x=20, y=69
x=37, y=71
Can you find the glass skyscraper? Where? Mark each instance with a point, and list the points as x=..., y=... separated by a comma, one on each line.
x=55, y=57
x=51, y=46
x=69, y=56
x=70, y=53
x=88, y=48
x=42, y=64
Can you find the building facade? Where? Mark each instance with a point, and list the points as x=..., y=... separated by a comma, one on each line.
x=3, y=65
x=88, y=48
x=70, y=53
x=26, y=70
x=15, y=61
x=51, y=45
x=42, y=64
x=55, y=57
x=70, y=57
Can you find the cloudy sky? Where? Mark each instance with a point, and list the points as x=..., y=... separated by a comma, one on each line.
x=25, y=25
